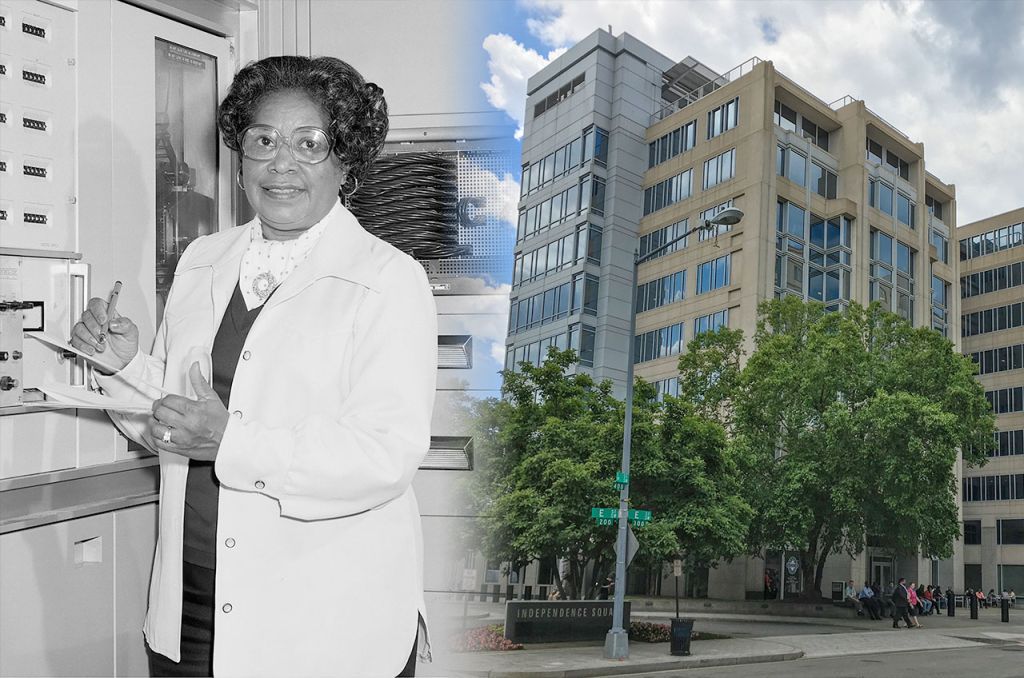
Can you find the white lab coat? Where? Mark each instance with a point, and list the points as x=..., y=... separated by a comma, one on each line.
x=331, y=406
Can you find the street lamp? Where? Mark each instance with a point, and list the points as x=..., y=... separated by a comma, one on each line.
x=616, y=643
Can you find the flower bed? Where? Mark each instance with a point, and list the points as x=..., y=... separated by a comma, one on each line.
x=484, y=639
x=648, y=632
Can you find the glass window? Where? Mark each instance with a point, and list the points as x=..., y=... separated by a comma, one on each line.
x=785, y=117
x=815, y=284
x=874, y=152
x=575, y=152
x=590, y=295
x=882, y=247
x=795, y=220
x=797, y=167
x=186, y=205
x=601, y=146
x=817, y=231
x=904, y=209
x=597, y=200
x=904, y=258
x=1010, y=531
x=587, y=346
x=972, y=532
x=885, y=197
x=594, y=244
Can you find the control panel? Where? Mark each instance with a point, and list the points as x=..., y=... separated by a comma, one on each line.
x=12, y=377
x=37, y=127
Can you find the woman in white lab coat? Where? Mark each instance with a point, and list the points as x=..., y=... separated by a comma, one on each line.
x=289, y=537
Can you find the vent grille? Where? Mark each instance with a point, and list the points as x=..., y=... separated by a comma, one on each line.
x=455, y=352
x=449, y=453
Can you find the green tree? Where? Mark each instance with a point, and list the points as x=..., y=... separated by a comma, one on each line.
x=549, y=450
x=854, y=420
x=548, y=453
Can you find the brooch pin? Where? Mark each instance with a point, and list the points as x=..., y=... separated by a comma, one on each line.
x=263, y=285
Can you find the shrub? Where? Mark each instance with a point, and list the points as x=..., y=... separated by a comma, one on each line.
x=484, y=639
x=648, y=632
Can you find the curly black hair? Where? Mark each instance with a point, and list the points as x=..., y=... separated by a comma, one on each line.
x=356, y=109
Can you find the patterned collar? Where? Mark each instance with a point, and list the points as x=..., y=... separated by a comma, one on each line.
x=267, y=263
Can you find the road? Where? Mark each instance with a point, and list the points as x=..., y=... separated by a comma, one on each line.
x=996, y=661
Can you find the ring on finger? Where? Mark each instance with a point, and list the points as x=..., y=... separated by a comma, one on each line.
x=167, y=435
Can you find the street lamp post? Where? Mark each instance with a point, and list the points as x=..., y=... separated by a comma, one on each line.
x=616, y=643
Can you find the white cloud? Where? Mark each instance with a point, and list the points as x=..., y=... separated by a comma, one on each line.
x=940, y=72
x=486, y=312
x=506, y=208
x=510, y=64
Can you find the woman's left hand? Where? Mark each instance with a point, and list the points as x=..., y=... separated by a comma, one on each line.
x=191, y=428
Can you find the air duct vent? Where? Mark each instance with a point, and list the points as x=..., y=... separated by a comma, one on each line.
x=455, y=352
x=449, y=453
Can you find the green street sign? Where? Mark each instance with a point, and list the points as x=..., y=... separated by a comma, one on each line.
x=638, y=516
x=610, y=516
x=605, y=516
x=621, y=480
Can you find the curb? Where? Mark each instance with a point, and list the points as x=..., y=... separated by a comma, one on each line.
x=623, y=668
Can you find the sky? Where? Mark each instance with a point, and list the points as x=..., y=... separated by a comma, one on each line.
x=947, y=73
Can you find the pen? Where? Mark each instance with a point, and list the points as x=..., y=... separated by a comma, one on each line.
x=111, y=305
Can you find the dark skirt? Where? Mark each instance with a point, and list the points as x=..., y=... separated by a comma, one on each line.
x=196, y=627
x=197, y=631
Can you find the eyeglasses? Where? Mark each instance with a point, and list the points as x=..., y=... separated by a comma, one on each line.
x=308, y=145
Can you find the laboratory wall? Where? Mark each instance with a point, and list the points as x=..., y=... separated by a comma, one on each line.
x=110, y=167
x=104, y=177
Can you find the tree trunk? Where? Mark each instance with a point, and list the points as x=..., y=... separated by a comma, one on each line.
x=818, y=570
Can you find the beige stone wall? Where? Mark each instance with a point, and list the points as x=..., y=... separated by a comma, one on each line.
x=990, y=554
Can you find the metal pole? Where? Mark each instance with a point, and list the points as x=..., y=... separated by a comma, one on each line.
x=677, y=596
x=616, y=643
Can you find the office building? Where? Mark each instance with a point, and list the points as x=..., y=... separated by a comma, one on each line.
x=992, y=327
x=625, y=149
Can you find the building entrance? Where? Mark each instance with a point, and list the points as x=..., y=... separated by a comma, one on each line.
x=881, y=571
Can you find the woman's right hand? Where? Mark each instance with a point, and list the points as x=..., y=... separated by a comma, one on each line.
x=121, y=337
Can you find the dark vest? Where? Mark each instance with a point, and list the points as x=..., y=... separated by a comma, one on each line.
x=203, y=488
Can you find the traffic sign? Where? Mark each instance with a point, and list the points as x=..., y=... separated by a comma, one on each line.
x=605, y=516
x=621, y=480
x=609, y=516
x=638, y=517
x=632, y=546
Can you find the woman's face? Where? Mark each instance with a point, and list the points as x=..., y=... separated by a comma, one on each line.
x=290, y=196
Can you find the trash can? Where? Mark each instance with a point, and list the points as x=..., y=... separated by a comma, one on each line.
x=682, y=629
x=951, y=604
x=974, y=606
x=1004, y=608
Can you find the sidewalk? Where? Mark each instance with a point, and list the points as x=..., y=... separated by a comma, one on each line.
x=843, y=637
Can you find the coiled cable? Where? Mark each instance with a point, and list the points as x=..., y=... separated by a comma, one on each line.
x=411, y=201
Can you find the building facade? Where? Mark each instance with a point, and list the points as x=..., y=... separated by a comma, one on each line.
x=838, y=205
x=992, y=327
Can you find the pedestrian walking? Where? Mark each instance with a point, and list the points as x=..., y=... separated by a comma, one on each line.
x=901, y=602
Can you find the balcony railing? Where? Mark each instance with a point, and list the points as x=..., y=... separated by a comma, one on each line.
x=706, y=89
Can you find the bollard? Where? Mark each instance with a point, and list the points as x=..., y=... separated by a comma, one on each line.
x=974, y=607
x=951, y=604
x=1004, y=609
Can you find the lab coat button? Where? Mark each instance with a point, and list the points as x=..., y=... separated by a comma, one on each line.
x=229, y=542
x=226, y=608
x=246, y=355
x=238, y=414
x=260, y=485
